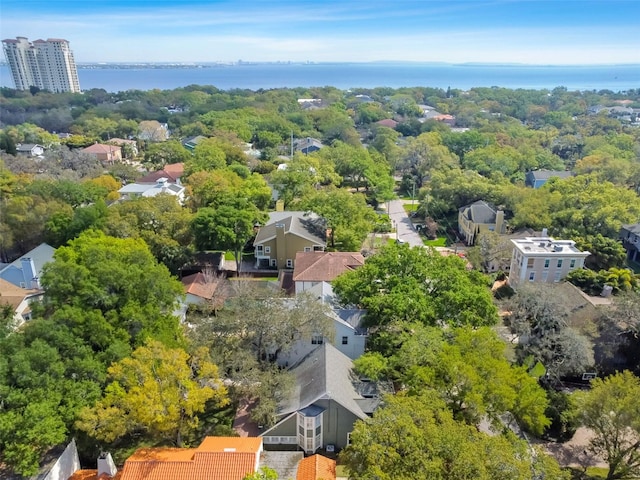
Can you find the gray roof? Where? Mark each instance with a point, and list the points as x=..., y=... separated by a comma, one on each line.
x=284, y=463
x=325, y=373
x=40, y=255
x=479, y=212
x=27, y=147
x=547, y=174
x=632, y=228
x=305, y=143
x=352, y=317
x=303, y=224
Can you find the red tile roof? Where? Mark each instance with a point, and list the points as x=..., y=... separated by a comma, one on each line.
x=176, y=169
x=219, y=458
x=101, y=148
x=198, y=285
x=324, y=266
x=387, y=122
x=316, y=467
x=92, y=475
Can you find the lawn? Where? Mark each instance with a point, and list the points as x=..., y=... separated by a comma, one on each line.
x=410, y=208
x=438, y=242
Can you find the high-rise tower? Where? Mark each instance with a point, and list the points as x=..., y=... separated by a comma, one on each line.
x=46, y=64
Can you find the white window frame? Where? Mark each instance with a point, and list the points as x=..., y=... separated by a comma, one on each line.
x=289, y=263
x=267, y=249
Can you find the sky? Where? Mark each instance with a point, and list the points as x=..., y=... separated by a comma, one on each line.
x=549, y=32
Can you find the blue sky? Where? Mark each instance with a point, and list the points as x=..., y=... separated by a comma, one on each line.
x=454, y=31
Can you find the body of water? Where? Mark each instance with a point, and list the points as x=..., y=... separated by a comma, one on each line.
x=352, y=75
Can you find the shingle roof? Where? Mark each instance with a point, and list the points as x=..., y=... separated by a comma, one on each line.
x=316, y=467
x=40, y=255
x=13, y=295
x=303, y=224
x=324, y=373
x=547, y=174
x=479, y=212
x=220, y=458
x=324, y=266
x=284, y=463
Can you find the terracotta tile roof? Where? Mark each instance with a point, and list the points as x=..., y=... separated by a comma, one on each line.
x=387, y=122
x=220, y=458
x=93, y=475
x=153, y=177
x=197, y=285
x=316, y=467
x=176, y=169
x=324, y=266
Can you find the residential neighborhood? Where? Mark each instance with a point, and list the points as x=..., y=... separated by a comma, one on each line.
x=284, y=284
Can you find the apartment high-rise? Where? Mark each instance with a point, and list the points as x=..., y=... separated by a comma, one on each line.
x=46, y=64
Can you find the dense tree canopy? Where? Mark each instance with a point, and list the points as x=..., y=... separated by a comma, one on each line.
x=413, y=284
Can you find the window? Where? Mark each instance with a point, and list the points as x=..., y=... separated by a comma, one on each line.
x=559, y=263
x=317, y=340
x=546, y=263
x=318, y=248
x=345, y=340
x=556, y=277
x=532, y=276
x=259, y=248
x=289, y=263
x=301, y=430
x=267, y=249
x=274, y=262
x=318, y=429
x=307, y=249
x=530, y=262
x=572, y=263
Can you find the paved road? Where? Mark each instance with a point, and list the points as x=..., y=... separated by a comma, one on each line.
x=404, y=228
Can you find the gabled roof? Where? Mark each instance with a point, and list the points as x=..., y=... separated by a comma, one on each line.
x=306, y=143
x=284, y=463
x=303, y=224
x=153, y=177
x=316, y=467
x=13, y=295
x=547, y=174
x=175, y=169
x=388, y=122
x=198, y=285
x=479, y=212
x=40, y=255
x=27, y=147
x=325, y=373
x=101, y=148
x=324, y=266
x=220, y=458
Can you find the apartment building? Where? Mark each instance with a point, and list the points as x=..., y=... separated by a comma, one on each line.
x=46, y=64
x=543, y=260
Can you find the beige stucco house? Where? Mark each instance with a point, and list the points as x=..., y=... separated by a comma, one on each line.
x=479, y=217
x=286, y=234
x=107, y=154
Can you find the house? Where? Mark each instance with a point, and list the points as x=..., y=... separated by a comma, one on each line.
x=543, y=260
x=219, y=458
x=312, y=268
x=132, y=145
x=200, y=288
x=308, y=145
x=478, y=217
x=172, y=176
x=537, y=178
x=191, y=143
x=445, y=118
x=286, y=234
x=387, y=122
x=107, y=154
x=630, y=236
x=162, y=185
x=19, y=299
x=30, y=149
x=324, y=404
x=316, y=467
x=26, y=270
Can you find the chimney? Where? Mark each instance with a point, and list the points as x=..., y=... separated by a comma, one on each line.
x=281, y=245
x=545, y=233
x=28, y=271
x=500, y=222
x=106, y=465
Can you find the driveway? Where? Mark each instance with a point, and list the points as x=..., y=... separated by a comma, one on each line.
x=403, y=225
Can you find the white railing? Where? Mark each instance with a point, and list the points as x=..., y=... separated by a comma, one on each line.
x=273, y=440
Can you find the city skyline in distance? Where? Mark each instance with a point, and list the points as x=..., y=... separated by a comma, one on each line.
x=453, y=31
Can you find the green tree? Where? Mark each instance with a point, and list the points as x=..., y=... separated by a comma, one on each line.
x=413, y=284
x=159, y=391
x=227, y=227
x=611, y=409
x=606, y=252
x=265, y=473
x=417, y=438
x=118, y=280
x=160, y=154
x=347, y=214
